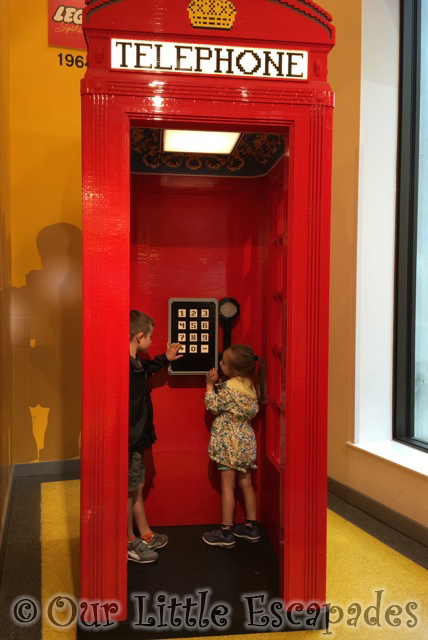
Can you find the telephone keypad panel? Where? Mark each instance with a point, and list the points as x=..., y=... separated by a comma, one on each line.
x=194, y=323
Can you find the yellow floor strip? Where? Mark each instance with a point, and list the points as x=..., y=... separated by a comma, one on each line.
x=60, y=520
x=363, y=574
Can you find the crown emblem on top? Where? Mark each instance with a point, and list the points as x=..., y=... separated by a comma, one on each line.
x=212, y=14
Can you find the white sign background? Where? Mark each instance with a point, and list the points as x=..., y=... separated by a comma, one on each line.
x=184, y=57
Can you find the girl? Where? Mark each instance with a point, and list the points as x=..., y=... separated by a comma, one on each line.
x=233, y=443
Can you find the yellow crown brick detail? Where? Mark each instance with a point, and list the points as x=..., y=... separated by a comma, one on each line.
x=212, y=14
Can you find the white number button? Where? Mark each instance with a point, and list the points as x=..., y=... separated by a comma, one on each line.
x=193, y=348
x=181, y=325
x=193, y=325
x=181, y=337
x=193, y=337
x=205, y=325
x=182, y=313
x=193, y=313
x=204, y=337
x=205, y=313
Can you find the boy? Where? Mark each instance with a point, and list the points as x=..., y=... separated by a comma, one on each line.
x=142, y=434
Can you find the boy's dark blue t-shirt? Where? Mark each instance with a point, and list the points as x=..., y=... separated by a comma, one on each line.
x=141, y=428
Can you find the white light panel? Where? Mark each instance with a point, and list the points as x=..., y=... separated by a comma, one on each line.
x=175, y=141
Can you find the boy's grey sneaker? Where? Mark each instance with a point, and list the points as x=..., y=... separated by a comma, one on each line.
x=138, y=551
x=220, y=538
x=158, y=541
x=242, y=530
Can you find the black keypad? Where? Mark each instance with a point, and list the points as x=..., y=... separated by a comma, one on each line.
x=193, y=323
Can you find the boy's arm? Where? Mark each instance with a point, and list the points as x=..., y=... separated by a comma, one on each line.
x=163, y=360
x=158, y=362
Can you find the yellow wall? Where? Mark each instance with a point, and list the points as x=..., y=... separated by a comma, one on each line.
x=345, y=78
x=45, y=174
x=5, y=340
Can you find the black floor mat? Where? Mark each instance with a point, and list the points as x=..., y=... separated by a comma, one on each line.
x=189, y=568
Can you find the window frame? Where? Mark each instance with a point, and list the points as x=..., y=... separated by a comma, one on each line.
x=407, y=219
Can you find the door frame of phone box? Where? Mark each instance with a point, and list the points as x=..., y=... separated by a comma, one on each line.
x=109, y=109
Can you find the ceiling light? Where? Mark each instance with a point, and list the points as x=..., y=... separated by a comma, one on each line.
x=175, y=141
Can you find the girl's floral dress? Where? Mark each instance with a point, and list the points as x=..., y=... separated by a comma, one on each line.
x=232, y=442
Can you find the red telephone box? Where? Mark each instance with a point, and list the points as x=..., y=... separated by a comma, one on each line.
x=225, y=65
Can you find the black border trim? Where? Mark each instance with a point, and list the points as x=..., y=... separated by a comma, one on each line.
x=6, y=522
x=52, y=467
x=406, y=230
x=379, y=511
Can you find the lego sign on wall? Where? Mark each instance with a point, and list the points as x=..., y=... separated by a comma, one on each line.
x=65, y=24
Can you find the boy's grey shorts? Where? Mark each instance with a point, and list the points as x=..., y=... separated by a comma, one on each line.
x=136, y=471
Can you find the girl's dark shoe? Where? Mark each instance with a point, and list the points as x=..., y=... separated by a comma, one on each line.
x=242, y=530
x=220, y=538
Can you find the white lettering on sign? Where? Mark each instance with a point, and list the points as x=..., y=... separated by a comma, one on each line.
x=178, y=57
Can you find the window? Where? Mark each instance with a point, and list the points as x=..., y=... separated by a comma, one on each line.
x=411, y=322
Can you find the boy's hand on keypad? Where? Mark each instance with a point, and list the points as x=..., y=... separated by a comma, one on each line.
x=172, y=351
x=212, y=376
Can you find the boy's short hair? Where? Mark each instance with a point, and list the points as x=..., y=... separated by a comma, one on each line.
x=139, y=323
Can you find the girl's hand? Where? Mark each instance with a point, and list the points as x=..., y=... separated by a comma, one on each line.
x=212, y=376
x=172, y=351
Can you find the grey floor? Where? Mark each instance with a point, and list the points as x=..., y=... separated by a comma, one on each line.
x=20, y=557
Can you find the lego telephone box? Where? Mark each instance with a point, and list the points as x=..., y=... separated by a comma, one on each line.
x=162, y=231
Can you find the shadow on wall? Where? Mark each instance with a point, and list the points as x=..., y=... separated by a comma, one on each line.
x=47, y=340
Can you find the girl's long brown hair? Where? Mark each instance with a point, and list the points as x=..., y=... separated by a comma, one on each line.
x=243, y=362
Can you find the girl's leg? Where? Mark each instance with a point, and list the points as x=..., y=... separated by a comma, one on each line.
x=227, y=496
x=244, y=481
x=224, y=537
